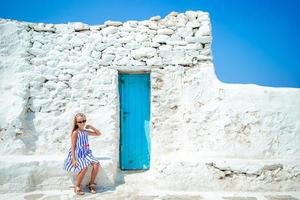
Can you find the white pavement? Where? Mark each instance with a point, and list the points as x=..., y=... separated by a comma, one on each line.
x=123, y=192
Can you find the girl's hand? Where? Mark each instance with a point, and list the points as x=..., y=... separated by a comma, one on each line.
x=87, y=126
x=74, y=163
x=92, y=130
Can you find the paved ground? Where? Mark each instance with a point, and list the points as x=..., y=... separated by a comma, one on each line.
x=129, y=193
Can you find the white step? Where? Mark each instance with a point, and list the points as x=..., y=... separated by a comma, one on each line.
x=21, y=173
x=215, y=173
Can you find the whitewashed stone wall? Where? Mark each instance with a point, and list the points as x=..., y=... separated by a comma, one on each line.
x=214, y=136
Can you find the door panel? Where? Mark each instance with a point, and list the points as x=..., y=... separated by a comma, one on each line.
x=134, y=90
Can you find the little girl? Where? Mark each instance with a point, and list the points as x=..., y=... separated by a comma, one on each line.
x=80, y=155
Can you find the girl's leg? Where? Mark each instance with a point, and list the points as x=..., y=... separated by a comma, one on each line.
x=80, y=176
x=94, y=172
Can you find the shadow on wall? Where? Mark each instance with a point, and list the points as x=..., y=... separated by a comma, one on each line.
x=29, y=139
x=24, y=129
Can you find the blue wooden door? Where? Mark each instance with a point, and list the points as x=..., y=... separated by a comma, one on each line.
x=134, y=91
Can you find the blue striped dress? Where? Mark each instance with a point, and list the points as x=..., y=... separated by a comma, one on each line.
x=83, y=154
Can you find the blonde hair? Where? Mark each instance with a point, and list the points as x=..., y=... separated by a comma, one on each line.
x=75, y=126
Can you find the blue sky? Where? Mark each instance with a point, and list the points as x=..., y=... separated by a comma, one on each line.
x=254, y=41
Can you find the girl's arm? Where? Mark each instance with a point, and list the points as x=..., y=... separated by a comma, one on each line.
x=73, y=145
x=92, y=130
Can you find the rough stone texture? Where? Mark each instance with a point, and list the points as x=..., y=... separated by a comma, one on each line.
x=213, y=135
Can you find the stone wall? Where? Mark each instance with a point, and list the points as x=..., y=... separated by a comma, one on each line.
x=215, y=136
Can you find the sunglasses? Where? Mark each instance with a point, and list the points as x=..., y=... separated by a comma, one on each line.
x=80, y=122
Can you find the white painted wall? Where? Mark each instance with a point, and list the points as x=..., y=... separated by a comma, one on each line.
x=214, y=136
